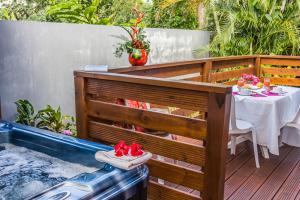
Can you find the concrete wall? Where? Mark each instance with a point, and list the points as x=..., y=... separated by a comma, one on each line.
x=37, y=59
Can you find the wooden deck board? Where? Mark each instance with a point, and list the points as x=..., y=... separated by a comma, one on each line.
x=256, y=180
x=291, y=186
x=277, y=179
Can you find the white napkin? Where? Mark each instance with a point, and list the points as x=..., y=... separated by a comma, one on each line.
x=124, y=162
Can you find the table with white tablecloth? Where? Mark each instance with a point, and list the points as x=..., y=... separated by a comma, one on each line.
x=269, y=115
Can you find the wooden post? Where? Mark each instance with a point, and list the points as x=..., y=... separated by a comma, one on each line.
x=216, y=145
x=80, y=102
x=257, y=67
x=206, y=71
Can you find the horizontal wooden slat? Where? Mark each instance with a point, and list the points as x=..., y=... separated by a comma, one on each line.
x=281, y=71
x=168, y=71
x=163, y=192
x=176, y=174
x=221, y=76
x=163, y=83
x=286, y=81
x=280, y=56
x=128, y=70
x=232, y=63
x=158, y=145
x=234, y=82
x=280, y=61
x=193, y=128
x=193, y=100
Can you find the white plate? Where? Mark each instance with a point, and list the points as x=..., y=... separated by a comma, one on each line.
x=254, y=88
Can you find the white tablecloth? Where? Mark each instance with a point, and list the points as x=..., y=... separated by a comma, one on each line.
x=269, y=114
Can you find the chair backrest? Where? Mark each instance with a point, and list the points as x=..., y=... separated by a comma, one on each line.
x=233, y=125
x=198, y=166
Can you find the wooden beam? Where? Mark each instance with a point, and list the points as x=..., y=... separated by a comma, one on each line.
x=163, y=192
x=176, y=174
x=233, y=63
x=180, y=98
x=177, y=84
x=187, y=127
x=221, y=76
x=281, y=71
x=80, y=103
x=216, y=146
x=280, y=61
x=189, y=153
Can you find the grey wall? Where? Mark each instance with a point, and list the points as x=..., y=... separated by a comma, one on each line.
x=37, y=59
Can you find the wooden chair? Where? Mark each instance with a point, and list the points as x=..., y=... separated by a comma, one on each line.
x=201, y=168
x=240, y=127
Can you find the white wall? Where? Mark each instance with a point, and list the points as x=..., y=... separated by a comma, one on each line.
x=37, y=60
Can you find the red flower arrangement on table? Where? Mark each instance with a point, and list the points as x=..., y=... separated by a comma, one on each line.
x=138, y=47
x=121, y=149
x=250, y=79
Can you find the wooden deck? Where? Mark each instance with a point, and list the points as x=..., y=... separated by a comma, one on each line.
x=278, y=177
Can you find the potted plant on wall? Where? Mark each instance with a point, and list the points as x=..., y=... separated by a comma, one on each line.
x=137, y=46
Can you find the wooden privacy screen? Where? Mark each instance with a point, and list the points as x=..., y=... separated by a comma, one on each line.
x=283, y=70
x=98, y=118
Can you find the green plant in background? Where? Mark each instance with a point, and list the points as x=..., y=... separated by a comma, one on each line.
x=5, y=14
x=242, y=27
x=48, y=118
x=25, y=9
x=182, y=14
x=77, y=11
x=120, y=11
x=25, y=113
x=53, y=120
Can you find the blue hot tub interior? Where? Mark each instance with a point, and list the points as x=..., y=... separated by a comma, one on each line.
x=44, y=164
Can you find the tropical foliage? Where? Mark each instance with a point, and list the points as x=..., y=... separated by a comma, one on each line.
x=115, y=12
x=25, y=10
x=243, y=27
x=182, y=14
x=25, y=113
x=159, y=13
x=119, y=12
x=48, y=118
x=53, y=120
x=77, y=11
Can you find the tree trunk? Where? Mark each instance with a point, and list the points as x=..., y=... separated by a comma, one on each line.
x=201, y=16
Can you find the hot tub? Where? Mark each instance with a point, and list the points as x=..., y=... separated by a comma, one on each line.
x=38, y=164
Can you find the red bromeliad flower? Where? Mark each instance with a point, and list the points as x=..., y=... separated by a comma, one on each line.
x=136, y=149
x=121, y=149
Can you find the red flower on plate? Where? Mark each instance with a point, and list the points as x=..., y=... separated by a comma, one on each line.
x=136, y=149
x=121, y=149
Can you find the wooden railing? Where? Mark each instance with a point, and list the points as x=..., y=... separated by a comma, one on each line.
x=99, y=118
x=201, y=165
x=282, y=70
